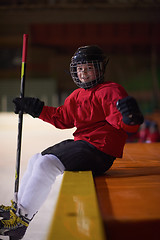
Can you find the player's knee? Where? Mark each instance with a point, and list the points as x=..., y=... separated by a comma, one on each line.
x=49, y=165
x=34, y=159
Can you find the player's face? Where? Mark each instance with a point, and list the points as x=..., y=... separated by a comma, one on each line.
x=86, y=72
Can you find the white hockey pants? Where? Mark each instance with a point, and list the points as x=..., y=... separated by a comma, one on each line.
x=37, y=181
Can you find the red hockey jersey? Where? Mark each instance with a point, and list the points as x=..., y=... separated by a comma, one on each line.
x=93, y=112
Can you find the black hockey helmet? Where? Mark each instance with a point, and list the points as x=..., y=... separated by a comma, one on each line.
x=89, y=54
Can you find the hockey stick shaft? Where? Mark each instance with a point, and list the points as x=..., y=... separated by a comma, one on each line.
x=20, y=117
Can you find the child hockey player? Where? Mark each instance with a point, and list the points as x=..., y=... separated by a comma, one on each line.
x=102, y=113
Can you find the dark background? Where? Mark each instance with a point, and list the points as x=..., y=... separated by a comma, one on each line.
x=128, y=32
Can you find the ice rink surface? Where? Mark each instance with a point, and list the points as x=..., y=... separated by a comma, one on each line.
x=36, y=136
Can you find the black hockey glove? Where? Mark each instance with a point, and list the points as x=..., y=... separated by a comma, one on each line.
x=130, y=111
x=32, y=106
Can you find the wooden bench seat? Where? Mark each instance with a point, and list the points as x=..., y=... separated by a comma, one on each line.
x=128, y=205
x=129, y=194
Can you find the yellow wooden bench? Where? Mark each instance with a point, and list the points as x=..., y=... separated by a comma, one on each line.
x=77, y=214
x=128, y=197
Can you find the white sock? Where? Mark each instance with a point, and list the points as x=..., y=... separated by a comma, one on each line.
x=37, y=181
x=27, y=175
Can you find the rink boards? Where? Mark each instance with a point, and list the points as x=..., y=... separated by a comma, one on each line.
x=123, y=204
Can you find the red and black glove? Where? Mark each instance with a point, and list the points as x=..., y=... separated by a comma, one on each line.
x=130, y=111
x=32, y=106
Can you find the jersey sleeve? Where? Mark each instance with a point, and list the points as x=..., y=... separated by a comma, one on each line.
x=60, y=117
x=112, y=115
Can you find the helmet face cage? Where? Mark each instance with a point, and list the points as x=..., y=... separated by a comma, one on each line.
x=89, y=55
x=98, y=73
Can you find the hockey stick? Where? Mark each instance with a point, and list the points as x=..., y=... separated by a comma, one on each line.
x=20, y=117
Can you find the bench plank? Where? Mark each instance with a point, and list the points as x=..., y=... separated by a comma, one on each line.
x=129, y=194
x=77, y=214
